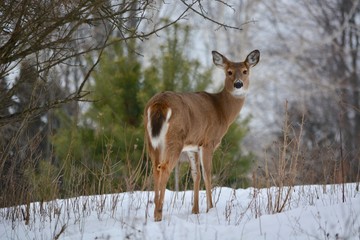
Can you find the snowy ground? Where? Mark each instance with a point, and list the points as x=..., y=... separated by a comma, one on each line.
x=309, y=212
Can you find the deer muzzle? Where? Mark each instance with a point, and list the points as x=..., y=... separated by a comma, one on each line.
x=238, y=84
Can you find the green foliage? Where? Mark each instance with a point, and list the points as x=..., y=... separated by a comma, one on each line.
x=116, y=88
x=230, y=163
x=172, y=70
x=103, y=151
x=117, y=116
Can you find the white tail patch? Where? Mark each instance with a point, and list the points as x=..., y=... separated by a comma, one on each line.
x=160, y=139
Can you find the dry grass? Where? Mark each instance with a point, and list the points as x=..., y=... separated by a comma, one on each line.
x=274, y=185
x=289, y=162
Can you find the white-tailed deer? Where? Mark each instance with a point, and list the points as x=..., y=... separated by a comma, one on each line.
x=194, y=123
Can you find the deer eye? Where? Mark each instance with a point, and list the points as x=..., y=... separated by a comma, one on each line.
x=245, y=72
x=229, y=72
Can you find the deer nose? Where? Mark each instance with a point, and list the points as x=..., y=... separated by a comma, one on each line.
x=238, y=84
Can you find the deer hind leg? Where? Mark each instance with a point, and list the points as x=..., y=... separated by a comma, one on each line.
x=205, y=155
x=163, y=170
x=196, y=176
x=155, y=159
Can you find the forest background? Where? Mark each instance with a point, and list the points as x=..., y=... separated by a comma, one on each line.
x=75, y=77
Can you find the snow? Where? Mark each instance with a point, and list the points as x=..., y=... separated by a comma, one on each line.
x=307, y=212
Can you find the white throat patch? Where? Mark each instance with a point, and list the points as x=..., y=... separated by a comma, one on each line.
x=239, y=92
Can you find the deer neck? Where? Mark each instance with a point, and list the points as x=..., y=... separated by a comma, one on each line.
x=230, y=105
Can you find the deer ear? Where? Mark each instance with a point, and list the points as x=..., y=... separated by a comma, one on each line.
x=253, y=58
x=218, y=59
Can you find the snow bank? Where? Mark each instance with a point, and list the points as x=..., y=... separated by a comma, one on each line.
x=307, y=212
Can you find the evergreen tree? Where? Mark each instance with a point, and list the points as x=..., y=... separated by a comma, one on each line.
x=105, y=151
x=171, y=70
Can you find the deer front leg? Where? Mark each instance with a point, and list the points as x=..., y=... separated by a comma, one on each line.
x=205, y=156
x=196, y=176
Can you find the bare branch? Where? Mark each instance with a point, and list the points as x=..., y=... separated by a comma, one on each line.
x=56, y=33
x=204, y=15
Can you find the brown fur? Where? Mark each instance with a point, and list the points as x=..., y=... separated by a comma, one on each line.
x=197, y=119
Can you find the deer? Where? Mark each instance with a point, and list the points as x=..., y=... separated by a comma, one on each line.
x=193, y=124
